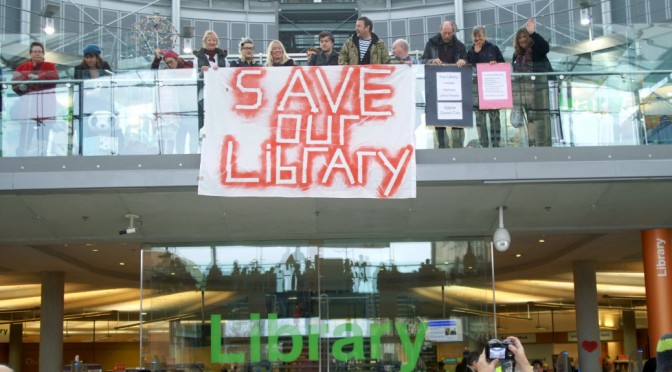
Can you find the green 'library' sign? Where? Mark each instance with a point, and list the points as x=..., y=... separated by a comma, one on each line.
x=353, y=344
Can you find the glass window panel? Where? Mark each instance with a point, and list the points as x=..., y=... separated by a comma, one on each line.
x=488, y=16
x=417, y=37
x=398, y=28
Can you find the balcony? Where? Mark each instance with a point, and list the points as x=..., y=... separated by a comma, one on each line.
x=145, y=112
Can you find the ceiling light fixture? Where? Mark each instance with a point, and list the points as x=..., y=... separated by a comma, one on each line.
x=187, y=35
x=48, y=13
x=585, y=16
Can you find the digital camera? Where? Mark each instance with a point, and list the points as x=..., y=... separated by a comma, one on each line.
x=498, y=350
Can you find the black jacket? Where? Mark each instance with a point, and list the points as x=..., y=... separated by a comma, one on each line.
x=540, y=49
x=432, y=49
x=489, y=53
x=319, y=59
x=83, y=72
x=239, y=63
x=202, y=58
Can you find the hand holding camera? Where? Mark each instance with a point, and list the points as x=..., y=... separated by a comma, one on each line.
x=499, y=350
x=496, y=352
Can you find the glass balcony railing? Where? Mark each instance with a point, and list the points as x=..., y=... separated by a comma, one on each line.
x=147, y=112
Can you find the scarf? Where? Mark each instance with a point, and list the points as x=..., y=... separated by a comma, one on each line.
x=211, y=55
x=524, y=61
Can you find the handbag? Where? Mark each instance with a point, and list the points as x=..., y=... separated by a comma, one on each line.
x=518, y=116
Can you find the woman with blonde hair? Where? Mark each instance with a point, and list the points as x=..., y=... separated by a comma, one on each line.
x=276, y=55
x=211, y=56
x=246, y=50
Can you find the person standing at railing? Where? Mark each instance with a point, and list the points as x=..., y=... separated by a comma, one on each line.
x=92, y=65
x=167, y=112
x=246, y=50
x=530, y=50
x=327, y=56
x=100, y=130
x=276, y=55
x=445, y=48
x=171, y=60
x=37, y=102
x=364, y=47
x=484, y=51
x=400, y=51
x=210, y=56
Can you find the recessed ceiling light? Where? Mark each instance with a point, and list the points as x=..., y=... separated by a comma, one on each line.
x=122, y=263
x=519, y=255
x=94, y=250
x=542, y=241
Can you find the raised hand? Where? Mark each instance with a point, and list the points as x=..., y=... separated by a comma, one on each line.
x=530, y=25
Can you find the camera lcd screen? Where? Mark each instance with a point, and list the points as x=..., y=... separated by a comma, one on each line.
x=497, y=352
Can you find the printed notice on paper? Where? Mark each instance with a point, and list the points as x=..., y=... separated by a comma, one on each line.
x=494, y=85
x=449, y=110
x=448, y=86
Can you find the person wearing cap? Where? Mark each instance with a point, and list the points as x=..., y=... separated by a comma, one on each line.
x=171, y=59
x=664, y=354
x=92, y=65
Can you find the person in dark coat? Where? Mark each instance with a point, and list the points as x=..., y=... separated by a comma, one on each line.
x=246, y=50
x=530, y=55
x=446, y=48
x=211, y=55
x=484, y=51
x=92, y=65
x=327, y=56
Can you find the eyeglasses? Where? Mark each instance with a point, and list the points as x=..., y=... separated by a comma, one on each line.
x=247, y=48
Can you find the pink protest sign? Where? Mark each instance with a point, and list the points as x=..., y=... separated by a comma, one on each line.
x=494, y=86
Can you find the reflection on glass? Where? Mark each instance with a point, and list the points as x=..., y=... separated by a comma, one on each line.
x=342, y=306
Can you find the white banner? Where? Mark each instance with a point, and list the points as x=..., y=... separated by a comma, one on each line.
x=333, y=131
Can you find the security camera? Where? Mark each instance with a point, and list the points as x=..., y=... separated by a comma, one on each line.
x=129, y=230
x=501, y=239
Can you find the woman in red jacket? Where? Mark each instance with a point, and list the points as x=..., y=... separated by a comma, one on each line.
x=37, y=102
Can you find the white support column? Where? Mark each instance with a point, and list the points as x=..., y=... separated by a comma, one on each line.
x=175, y=18
x=587, y=317
x=459, y=19
x=606, y=17
x=25, y=21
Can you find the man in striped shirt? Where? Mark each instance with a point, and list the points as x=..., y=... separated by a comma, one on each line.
x=364, y=47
